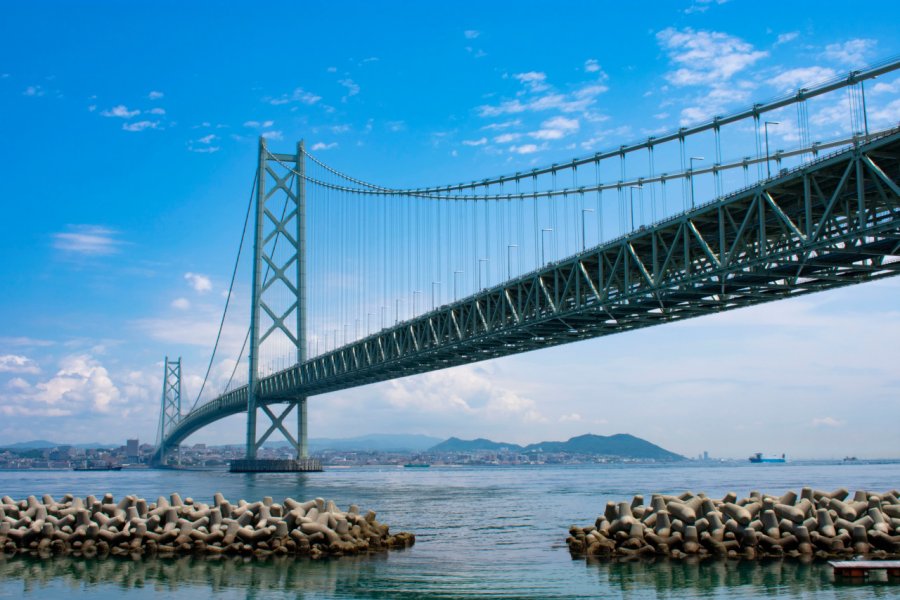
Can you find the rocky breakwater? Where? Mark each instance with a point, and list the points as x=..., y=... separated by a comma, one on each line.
x=813, y=524
x=132, y=526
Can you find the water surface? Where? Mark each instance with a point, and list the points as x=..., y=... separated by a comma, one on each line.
x=480, y=532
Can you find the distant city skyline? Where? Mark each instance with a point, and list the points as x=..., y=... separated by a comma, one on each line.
x=129, y=152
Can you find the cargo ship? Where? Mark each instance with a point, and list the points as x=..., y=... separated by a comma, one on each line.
x=759, y=458
x=106, y=467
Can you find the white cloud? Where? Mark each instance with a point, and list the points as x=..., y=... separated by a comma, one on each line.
x=352, y=87
x=826, y=422
x=395, y=126
x=479, y=142
x=91, y=240
x=298, y=95
x=14, y=363
x=524, y=149
x=81, y=384
x=323, y=146
x=471, y=34
x=121, y=111
x=502, y=125
x=533, y=80
x=801, y=77
x=705, y=57
x=156, y=111
x=207, y=139
x=852, y=52
x=716, y=100
x=555, y=128
x=883, y=87
x=591, y=65
x=570, y=418
x=200, y=283
x=259, y=124
x=34, y=91
x=140, y=125
x=463, y=391
x=784, y=38
x=701, y=6
x=181, y=303
x=505, y=138
x=274, y=134
x=154, y=95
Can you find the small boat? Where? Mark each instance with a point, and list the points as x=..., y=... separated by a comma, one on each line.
x=759, y=458
x=416, y=466
x=850, y=458
x=106, y=467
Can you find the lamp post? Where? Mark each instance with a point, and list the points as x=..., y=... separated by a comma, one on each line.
x=766, y=127
x=438, y=284
x=543, y=250
x=692, y=159
x=631, y=189
x=583, y=242
x=481, y=260
x=862, y=87
x=509, y=248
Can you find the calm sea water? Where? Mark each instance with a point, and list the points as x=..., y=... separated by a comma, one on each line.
x=481, y=532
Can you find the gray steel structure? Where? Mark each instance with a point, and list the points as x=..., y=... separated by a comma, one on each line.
x=826, y=224
x=284, y=268
x=170, y=410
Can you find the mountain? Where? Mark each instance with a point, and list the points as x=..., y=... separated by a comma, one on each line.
x=41, y=444
x=457, y=445
x=32, y=445
x=377, y=442
x=621, y=444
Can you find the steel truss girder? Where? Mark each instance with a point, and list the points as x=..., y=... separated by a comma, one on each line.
x=828, y=224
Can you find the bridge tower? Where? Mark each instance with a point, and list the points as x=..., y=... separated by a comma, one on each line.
x=278, y=304
x=170, y=411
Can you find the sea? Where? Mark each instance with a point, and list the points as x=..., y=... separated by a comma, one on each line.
x=481, y=532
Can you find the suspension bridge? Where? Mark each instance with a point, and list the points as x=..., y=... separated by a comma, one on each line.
x=355, y=283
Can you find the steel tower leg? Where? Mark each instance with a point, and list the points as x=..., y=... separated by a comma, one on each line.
x=170, y=411
x=279, y=240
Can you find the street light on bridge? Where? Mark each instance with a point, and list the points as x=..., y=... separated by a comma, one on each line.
x=543, y=250
x=766, y=127
x=631, y=189
x=583, y=242
x=509, y=248
x=691, y=176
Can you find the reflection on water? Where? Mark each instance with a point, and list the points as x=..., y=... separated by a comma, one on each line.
x=349, y=577
x=481, y=533
x=179, y=574
x=666, y=578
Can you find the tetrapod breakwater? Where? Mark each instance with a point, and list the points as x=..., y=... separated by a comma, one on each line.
x=813, y=524
x=132, y=526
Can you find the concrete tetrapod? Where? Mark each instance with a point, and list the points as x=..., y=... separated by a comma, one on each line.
x=813, y=524
x=135, y=527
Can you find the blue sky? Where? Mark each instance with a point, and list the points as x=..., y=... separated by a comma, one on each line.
x=129, y=136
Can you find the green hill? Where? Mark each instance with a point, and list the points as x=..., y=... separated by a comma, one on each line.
x=621, y=445
x=457, y=445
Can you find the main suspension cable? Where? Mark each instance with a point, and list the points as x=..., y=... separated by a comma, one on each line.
x=230, y=289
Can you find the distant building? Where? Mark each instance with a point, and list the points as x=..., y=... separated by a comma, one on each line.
x=132, y=450
x=705, y=455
